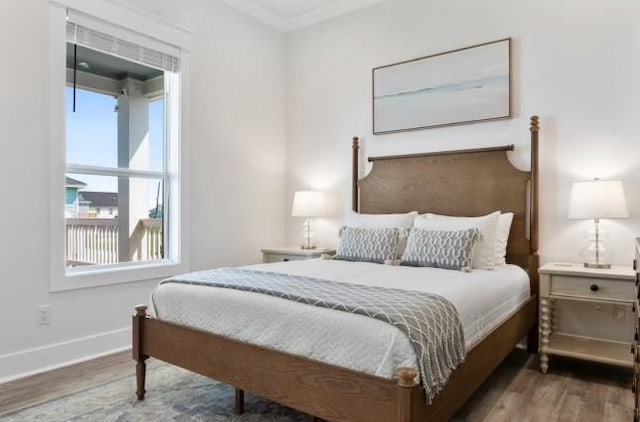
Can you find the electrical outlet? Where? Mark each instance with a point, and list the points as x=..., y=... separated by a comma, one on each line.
x=44, y=314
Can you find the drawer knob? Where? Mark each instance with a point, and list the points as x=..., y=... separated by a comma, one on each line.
x=286, y=259
x=594, y=288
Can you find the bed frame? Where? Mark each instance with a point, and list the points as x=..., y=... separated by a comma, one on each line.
x=465, y=182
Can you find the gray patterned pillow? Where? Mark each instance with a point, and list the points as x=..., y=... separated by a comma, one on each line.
x=368, y=245
x=452, y=250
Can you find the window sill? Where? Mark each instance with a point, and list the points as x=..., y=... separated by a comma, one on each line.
x=80, y=278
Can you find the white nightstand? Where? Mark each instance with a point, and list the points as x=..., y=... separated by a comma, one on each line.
x=613, y=289
x=293, y=253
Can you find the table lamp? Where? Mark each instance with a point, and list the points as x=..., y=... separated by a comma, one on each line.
x=597, y=199
x=308, y=204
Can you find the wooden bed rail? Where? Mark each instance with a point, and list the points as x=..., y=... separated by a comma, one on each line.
x=294, y=381
x=316, y=388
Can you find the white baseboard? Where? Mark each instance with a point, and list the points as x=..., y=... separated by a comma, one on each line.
x=52, y=356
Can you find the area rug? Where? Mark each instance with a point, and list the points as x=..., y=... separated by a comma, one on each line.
x=173, y=394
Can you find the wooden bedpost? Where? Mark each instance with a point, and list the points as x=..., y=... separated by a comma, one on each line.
x=355, y=173
x=138, y=354
x=406, y=385
x=535, y=129
x=239, y=410
x=534, y=260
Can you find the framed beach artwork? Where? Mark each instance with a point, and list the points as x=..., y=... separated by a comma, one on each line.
x=467, y=85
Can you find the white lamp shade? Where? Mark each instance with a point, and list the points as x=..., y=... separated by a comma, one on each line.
x=598, y=199
x=308, y=203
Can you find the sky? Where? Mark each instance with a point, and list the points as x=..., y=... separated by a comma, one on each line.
x=92, y=136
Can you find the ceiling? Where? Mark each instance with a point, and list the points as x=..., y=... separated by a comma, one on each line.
x=289, y=15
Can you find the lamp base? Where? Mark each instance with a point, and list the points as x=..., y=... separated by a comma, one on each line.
x=308, y=247
x=597, y=265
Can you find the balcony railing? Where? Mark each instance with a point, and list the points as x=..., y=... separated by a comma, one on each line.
x=145, y=243
x=91, y=241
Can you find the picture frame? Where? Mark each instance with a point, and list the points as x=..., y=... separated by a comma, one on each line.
x=462, y=86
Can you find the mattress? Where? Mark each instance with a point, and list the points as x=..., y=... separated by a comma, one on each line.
x=484, y=299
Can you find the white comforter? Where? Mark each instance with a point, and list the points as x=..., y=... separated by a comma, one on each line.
x=484, y=299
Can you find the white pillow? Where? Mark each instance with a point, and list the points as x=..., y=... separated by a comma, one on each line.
x=379, y=221
x=484, y=254
x=502, y=233
x=502, y=237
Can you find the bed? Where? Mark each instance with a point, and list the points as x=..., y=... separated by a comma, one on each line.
x=350, y=367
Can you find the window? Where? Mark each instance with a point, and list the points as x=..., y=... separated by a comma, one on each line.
x=119, y=134
x=115, y=148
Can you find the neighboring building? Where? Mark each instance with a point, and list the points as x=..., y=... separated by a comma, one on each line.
x=98, y=204
x=88, y=204
x=72, y=204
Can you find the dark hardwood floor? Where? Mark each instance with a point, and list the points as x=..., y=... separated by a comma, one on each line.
x=572, y=391
x=517, y=391
x=62, y=382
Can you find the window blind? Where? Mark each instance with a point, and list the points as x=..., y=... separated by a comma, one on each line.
x=109, y=44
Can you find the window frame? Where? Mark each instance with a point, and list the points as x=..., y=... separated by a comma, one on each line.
x=174, y=174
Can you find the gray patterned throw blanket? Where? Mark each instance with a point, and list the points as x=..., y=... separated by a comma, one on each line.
x=430, y=321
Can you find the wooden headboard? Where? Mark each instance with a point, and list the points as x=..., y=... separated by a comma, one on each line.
x=469, y=182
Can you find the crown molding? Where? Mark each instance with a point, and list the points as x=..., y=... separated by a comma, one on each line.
x=327, y=12
x=259, y=13
x=330, y=11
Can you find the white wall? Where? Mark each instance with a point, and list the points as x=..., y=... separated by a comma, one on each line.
x=576, y=64
x=236, y=127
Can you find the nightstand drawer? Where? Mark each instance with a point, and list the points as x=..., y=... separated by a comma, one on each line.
x=273, y=257
x=592, y=288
